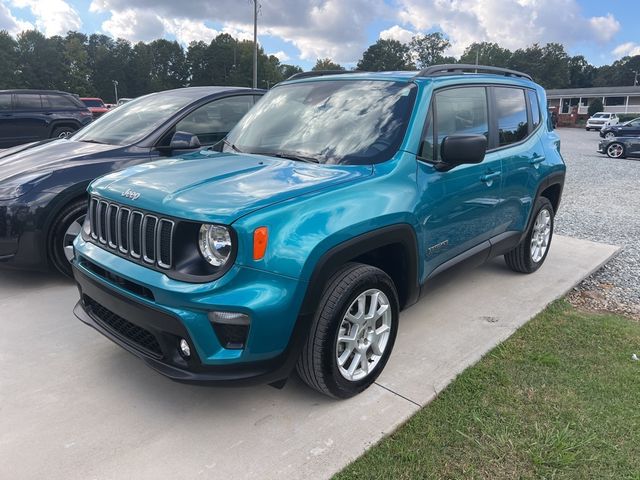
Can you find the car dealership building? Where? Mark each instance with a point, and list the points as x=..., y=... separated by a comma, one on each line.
x=576, y=101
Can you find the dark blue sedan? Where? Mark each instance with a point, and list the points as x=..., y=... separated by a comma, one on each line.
x=43, y=184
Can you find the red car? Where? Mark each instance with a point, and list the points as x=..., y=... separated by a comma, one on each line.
x=96, y=106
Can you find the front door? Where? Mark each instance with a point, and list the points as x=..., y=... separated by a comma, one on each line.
x=458, y=208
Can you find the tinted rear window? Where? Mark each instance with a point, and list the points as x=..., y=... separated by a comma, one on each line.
x=59, y=101
x=28, y=101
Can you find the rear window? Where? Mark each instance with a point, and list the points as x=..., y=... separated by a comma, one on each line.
x=28, y=101
x=59, y=101
x=512, y=115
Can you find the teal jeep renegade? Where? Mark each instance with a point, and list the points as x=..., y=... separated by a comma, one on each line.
x=330, y=207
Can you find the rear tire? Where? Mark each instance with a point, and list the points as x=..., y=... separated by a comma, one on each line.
x=351, y=339
x=529, y=255
x=66, y=226
x=62, y=132
x=615, y=150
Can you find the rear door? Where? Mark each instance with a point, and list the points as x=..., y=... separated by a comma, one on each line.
x=518, y=118
x=633, y=128
x=30, y=122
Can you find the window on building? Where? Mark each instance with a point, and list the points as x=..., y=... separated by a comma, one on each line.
x=511, y=112
x=614, y=101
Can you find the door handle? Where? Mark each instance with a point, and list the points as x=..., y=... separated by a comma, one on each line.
x=489, y=177
x=536, y=159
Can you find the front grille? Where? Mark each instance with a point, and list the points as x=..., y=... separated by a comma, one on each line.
x=128, y=331
x=132, y=233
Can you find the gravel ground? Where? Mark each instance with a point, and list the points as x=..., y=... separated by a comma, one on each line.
x=601, y=202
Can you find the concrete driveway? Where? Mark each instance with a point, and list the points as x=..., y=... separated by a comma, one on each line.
x=75, y=406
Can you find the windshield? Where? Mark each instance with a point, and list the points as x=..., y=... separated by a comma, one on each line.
x=93, y=103
x=134, y=120
x=601, y=115
x=340, y=121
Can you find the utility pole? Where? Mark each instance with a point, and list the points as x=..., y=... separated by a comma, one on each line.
x=255, y=43
x=115, y=87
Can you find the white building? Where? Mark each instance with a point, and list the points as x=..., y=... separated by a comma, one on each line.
x=615, y=99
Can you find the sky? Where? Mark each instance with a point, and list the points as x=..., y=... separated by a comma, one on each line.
x=301, y=31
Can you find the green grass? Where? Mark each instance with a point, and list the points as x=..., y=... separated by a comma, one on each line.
x=559, y=399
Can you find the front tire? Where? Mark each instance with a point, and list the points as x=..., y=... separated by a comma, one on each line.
x=529, y=255
x=353, y=332
x=66, y=226
x=62, y=132
x=615, y=150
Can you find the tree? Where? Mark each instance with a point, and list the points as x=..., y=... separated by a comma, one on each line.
x=581, y=73
x=168, y=68
x=429, y=49
x=326, y=64
x=198, y=63
x=77, y=60
x=549, y=65
x=8, y=60
x=595, y=107
x=386, y=55
x=287, y=70
x=486, y=53
x=41, y=62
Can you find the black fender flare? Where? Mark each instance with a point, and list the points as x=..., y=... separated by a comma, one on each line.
x=554, y=178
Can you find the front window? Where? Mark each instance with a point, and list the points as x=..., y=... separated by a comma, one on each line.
x=334, y=122
x=134, y=120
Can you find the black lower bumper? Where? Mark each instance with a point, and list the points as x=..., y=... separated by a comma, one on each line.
x=154, y=336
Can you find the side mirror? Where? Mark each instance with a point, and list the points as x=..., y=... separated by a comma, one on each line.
x=462, y=149
x=184, y=141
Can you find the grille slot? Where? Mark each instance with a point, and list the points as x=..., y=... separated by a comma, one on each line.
x=134, y=234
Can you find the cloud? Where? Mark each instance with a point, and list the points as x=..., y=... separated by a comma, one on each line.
x=510, y=23
x=10, y=23
x=628, y=49
x=53, y=17
x=319, y=29
x=281, y=55
x=187, y=31
x=397, y=33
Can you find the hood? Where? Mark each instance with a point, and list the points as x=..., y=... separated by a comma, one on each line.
x=46, y=156
x=220, y=187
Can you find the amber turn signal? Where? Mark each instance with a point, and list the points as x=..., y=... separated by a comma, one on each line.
x=260, y=238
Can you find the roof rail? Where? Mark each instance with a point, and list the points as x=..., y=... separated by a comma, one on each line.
x=320, y=73
x=461, y=68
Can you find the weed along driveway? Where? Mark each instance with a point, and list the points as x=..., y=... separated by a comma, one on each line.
x=72, y=399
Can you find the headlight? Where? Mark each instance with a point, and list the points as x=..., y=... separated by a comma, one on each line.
x=215, y=244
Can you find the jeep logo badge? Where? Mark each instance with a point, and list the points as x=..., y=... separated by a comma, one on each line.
x=131, y=194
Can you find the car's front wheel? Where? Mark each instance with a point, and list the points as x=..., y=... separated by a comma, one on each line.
x=65, y=228
x=353, y=332
x=615, y=150
x=529, y=255
x=62, y=132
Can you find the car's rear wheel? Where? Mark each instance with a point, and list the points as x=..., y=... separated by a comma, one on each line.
x=65, y=228
x=62, y=132
x=615, y=150
x=353, y=332
x=529, y=255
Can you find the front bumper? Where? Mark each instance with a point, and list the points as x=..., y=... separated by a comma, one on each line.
x=20, y=237
x=152, y=327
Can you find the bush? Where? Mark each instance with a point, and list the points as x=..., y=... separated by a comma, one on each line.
x=595, y=107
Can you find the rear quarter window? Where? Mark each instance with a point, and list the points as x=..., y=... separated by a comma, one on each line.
x=28, y=101
x=59, y=101
x=5, y=101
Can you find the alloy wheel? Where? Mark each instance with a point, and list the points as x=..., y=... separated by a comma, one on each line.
x=615, y=150
x=70, y=235
x=541, y=235
x=363, y=335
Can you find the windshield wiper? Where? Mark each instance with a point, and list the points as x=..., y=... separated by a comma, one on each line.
x=231, y=145
x=94, y=141
x=294, y=156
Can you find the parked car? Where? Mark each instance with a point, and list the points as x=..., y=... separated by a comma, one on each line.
x=601, y=119
x=96, y=106
x=627, y=129
x=620, y=147
x=43, y=185
x=30, y=115
x=333, y=205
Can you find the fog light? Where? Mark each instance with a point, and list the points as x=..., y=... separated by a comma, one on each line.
x=184, y=348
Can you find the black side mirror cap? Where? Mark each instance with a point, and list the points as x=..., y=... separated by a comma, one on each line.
x=462, y=149
x=184, y=141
